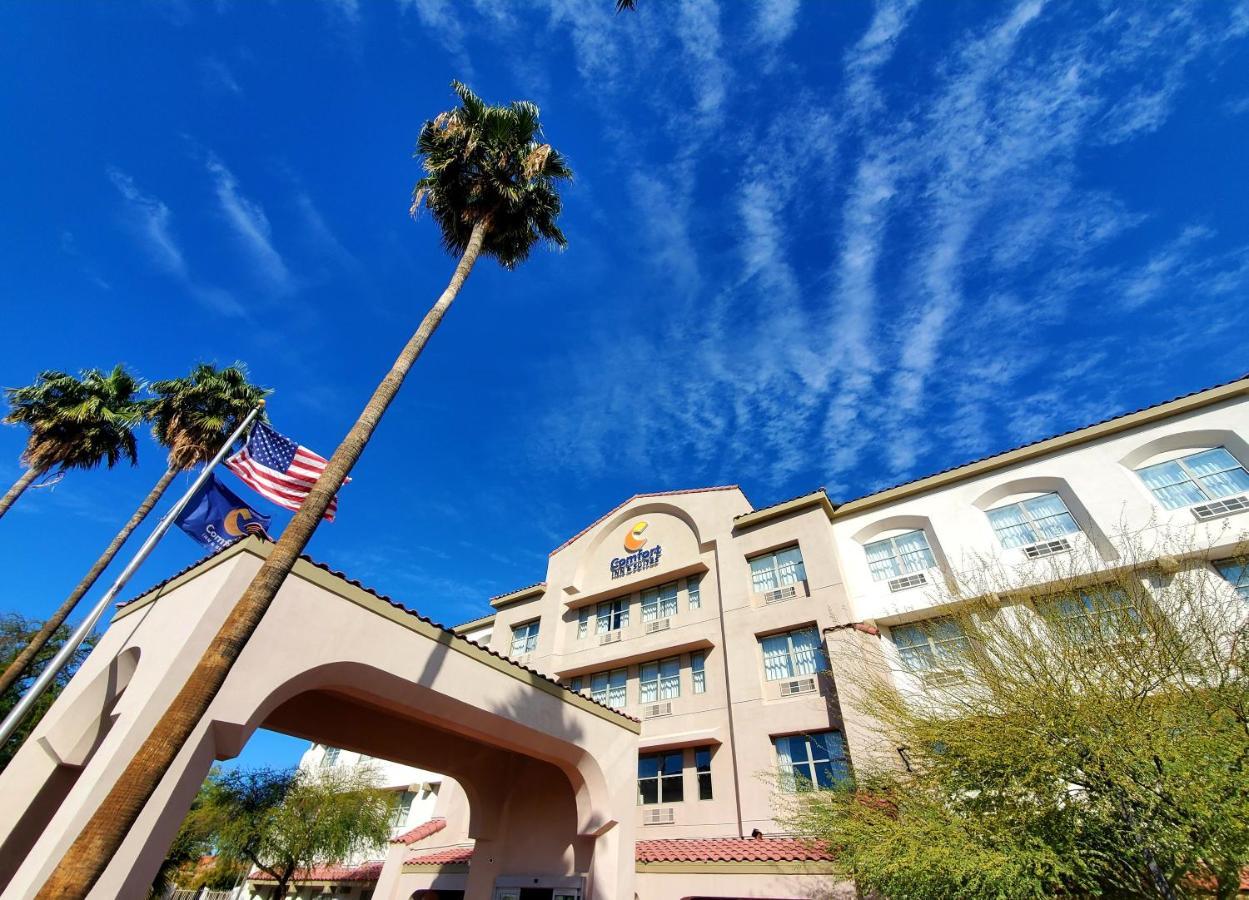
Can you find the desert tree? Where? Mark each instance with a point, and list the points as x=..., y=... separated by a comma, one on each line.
x=1077, y=725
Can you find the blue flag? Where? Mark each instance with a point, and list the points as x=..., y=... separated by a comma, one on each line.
x=216, y=517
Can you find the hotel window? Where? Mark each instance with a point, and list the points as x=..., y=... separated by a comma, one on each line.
x=659, y=603
x=330, y=758
x=1042, y=518
x=1236, y=571
x=1195, y=478
x=774, y=570
x=698, y=671
x=583, y=621
x=524, y=637
x=815, y=761
x=575, y=685
x=660, y=778
x=660, y=680
x=930, y=646
x=402, y=808
x=1105, y=613
x=901, y=555
x=792, y=654
x=609, y=688
x=693, y=596
x=612, y=615
x=702, y=765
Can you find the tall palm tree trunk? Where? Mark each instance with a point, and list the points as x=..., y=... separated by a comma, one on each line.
x=27, y=656
x=18, y=488
x=102, y=836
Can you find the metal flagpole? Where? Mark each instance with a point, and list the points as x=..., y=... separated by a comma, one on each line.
x=50, y=671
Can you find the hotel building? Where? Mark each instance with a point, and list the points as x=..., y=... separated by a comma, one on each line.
x=714, y=623
x=623, y=727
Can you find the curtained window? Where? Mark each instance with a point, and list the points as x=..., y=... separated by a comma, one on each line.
x=1196, y=478
x=901, y=555
x=1042, y=518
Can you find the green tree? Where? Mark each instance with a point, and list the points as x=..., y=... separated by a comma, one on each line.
x=74, y=423
x=191, y=417
x=1087, y=737
x=15, y=634
x=491, y=185
x=285, y=822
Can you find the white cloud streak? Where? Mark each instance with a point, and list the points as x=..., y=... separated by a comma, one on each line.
x=250, y=225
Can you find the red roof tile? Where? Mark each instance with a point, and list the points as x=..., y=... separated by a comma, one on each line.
x=612, y=511
x=420, y=832
x=731, y=849
x=368, y=871
x=725, y=849
x=441, y=857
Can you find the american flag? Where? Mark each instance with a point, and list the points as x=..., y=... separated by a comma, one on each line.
x=276, y=467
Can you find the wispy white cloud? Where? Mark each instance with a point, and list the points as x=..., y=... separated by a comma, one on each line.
x=151, y=222
x=218, y=77
x=775, y=21
x=251, y=226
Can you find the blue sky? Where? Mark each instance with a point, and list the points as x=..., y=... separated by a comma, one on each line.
x=840, y=244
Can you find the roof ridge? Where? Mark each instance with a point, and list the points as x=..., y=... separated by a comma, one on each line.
x=638, y=496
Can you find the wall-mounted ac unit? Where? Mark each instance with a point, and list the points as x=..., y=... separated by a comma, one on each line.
x=1047, y=548
x=781, y=594
x=800, y=686
x=1220, y=508
x=658, y=625
x=943, y=678
x=656, y=710
x=908, y=581
x=664, y=816
x=609, y=638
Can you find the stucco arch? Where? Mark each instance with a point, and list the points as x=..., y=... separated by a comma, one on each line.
x=611, y=526
x=1051, y=484
x=1196, y=439
x=878, y=527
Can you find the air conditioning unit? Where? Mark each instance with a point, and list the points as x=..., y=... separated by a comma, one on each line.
x=800, y=686
x=944, y=678
x=609, y=638
x=780, y=594
x=656, y=710
x=1220, y=508
x=659, y=816
x=1047, y=548
x=658, y=625
x=908, y=581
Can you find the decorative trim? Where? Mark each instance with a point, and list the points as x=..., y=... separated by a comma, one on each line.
x=794, y=867
x=526, y=593
x=759, y=516
x=458, y=868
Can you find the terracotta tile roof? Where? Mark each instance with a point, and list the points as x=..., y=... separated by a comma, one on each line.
x=519, y=590
x=411, y=612
x=420, y=832
x=368, y=871
x=730, y=849
x=611, y=512
x=724, y=849
x=441, y=857
x=972, y=462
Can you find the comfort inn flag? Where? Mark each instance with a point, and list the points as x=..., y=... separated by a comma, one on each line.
x=216, y=517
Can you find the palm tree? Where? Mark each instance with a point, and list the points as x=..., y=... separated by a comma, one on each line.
x=491, y=185
x=191, y=417
x=74, y=423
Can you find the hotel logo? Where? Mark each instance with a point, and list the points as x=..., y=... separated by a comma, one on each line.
x=639, y=557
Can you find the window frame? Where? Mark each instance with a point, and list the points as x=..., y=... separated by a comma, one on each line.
x=608, y=611
x=1241, y=584
x=702, y=773
x=899, y=555
x=661, y=682
x=797, y=570
x=1030, y=521
x=531, y=629
x=659, y=601
x=664, y=781
x=608, y=688
x=1192, y=479
x=1080, y=625
x=698, y=671
x=329, y=758
x=838, y=764
x=820, y=658
x=693, y=592
x=938, y=653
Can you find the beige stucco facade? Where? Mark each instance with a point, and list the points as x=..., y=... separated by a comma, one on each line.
x=691, y=612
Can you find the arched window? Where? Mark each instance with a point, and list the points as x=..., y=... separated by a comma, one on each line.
x=1195, y=477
